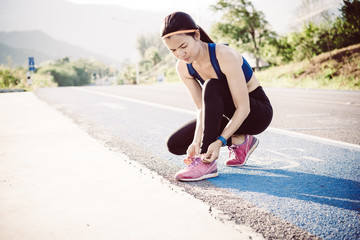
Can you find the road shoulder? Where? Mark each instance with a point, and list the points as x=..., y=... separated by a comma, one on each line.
x=58, y=182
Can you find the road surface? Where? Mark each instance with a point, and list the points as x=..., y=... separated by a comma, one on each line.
x=294, y=185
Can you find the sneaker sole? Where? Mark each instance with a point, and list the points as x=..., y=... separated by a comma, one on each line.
x=210, y=175
x=248, y=155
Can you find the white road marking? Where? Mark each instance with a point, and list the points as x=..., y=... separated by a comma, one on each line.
x=316, y=139
x=193, y=113
x=296, y=149
x=288, y=161
x=138, y=101
x=332, y=198
x=278, y=153
x=309, y=115
x=311, y=129
x=270, y=162
x=111, y=105
x=315, y=100
x=313, y=159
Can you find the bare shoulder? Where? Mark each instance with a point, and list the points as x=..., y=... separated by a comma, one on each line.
x=182, y=69
x=180, y=66
x=227, y=56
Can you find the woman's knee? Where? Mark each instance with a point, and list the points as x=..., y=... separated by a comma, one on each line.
x=212, y=88
x=176, y=144
x=172, y=145
x=211, y=84
x=179, y=141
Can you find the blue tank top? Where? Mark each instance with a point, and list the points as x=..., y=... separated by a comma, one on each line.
x=248, y=72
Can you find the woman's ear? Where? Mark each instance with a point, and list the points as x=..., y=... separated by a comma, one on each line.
x=197, y=35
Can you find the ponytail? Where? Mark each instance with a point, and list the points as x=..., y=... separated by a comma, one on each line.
x=204, y=37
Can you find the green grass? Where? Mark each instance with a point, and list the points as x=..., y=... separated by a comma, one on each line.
x=17, y=79
x=338, y=70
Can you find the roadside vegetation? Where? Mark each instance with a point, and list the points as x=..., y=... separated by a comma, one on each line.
x=17, y=79
x=338, y=69
x=62, y=72
x=75, y=73
x=324, y=54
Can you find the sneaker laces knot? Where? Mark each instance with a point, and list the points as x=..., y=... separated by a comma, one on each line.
x=193, y=161
x=232, y=149
x=189, y=160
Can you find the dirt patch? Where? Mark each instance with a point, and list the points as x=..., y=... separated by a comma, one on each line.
x=338, y=69
x=342, y=62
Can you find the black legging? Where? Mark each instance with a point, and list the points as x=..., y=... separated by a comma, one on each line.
x=219, y=108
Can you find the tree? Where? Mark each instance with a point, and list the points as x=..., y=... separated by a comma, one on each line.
x=284, y=49
x=351, y=18
x=144, y=42
x=141, y=45
x=307, y=42
x=128, y=74
x=68, y=73
x=244, y=24
x=8, y=78
x=152, y=54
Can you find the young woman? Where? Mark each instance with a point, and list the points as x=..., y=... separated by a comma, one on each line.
x=231, y=104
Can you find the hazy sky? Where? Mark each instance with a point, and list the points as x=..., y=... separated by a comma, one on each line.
x=113, y=30
x=154, y=5
x=277, y=12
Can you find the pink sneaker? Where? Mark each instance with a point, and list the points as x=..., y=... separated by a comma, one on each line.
x=197, y=170
x=242, y=152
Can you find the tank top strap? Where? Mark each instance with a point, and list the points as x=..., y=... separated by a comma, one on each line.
x=248, y=72
x=214, y=62
x=194, y=73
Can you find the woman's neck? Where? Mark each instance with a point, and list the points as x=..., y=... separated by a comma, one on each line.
x=203, y=56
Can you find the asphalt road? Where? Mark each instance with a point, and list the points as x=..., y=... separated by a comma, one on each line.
x=294, y=186
x=323, y=113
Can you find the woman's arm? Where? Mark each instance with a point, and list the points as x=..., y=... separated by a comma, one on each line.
x=195, y=91
x=230, y=63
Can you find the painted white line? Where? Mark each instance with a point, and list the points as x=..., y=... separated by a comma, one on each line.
x=313, y=159
x=278, y=153
x=270, y=129
x=138, y=101
x=267, y=162
x=310, y=115
x=316, y=139
x=315, y=100
x=110, y=105
x=331, y=198
x=292, y=149
x=310, y=129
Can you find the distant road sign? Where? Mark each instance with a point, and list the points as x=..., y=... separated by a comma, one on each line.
x=31, y=64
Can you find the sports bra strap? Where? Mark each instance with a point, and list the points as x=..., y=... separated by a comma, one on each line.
x=215, y=63
x=194, y=73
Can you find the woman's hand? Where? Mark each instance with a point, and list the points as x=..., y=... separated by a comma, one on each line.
x=193, y=150
x=213, y=152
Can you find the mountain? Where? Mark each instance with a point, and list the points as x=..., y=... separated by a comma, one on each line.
x=108, y=30
x=24, y=44
x=19, y=56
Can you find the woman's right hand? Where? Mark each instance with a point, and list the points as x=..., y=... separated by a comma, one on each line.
x=193, y=150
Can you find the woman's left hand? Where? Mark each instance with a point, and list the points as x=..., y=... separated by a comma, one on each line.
x=213, y=152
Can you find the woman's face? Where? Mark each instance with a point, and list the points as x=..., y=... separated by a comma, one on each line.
x=184, y=47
